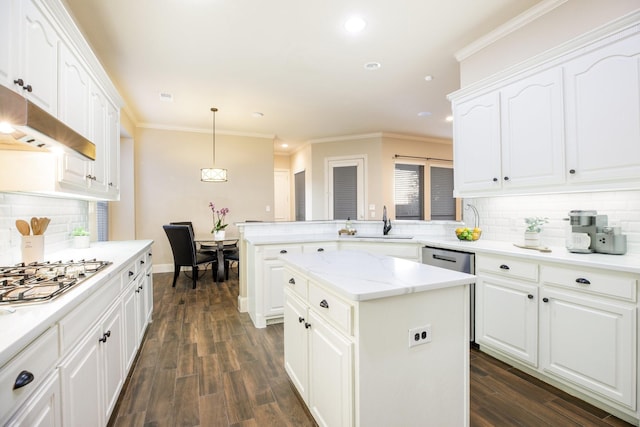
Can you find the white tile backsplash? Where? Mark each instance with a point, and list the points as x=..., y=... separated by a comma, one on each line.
x=65, y=214
x=502, y=218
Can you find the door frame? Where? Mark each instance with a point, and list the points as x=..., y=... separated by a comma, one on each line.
x=360, y=162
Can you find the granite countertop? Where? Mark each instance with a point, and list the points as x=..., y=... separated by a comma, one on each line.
x=31, y=320
x=361, y=276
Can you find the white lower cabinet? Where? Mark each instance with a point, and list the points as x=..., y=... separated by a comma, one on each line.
x=43, y=410
x=93, y=374
x=575, y=327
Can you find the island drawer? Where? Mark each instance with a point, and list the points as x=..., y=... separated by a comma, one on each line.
x=319, y=247
x=273, y=252
x=296, y=283
x=336, y=310
x=37, y=359
x=509, y=267
x=607, y=283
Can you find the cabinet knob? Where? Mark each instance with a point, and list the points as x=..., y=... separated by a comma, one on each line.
x=545, y=299
x=284, y=251
x=307, y=325
x=504, y=267
x=23, y=378
x=20, y=83
x=28, y=88
x=506, y=178
x=300, y=319
x=583, y=281
x=572, y=171
x=141, y=261
x=130, y=273
x=495, y=179
x=320, y=249
x=530, y=296
x=105, y=336
x=292, y=281
x=111, y=184
x=324, y=303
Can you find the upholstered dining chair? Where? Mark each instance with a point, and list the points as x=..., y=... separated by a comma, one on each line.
x=231, y=255
x=184, y=251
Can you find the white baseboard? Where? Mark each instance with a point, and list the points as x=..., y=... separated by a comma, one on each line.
x=163, y=268
x=242, y=304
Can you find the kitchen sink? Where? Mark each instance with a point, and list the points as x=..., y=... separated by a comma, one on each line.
x=382, y=236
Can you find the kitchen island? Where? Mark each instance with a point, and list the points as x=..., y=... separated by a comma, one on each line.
x=372, y=340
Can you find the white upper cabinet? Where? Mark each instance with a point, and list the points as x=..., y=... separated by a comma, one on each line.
x=569, y=124
x=73, y=92
x=36, y=75
x=9, y=39
x=113, y=146
x=603, y=113
x=99, y=132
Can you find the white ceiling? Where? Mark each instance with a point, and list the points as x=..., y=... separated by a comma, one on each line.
x=291, y=60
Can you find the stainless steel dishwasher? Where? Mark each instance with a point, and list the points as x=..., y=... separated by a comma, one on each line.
x=457, y=261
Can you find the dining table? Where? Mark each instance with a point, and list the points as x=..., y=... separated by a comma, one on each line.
x=208, y=244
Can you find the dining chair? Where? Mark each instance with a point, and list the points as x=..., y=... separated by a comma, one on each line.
x=231, y=255
x=184, y=251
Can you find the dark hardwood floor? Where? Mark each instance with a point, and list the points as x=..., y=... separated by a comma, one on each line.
x=203, y=363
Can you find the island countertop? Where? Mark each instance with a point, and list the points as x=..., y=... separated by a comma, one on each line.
x=361, y=276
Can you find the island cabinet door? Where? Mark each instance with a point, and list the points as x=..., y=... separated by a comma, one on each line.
x=331, y=398
x=296, y=343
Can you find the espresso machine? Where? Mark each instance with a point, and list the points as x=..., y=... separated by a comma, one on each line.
x=590, y=232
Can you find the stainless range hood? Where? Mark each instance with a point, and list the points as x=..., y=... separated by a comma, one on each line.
x=36, y=129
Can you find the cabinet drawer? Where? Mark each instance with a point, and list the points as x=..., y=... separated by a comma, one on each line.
x=319, y=247
x=129, y=273
x=508, y=267
x=273, y=252
x=296, y=283
x=75, y=324
x=616, y=285
x=38, y=358
x=335, y=310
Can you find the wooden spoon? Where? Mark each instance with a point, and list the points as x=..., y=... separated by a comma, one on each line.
x=44, y=223
x=35, y=227
x=23, y=227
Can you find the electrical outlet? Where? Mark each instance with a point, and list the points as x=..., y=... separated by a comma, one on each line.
x=419, y=335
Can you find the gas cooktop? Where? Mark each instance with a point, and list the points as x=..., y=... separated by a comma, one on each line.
x=36, y=282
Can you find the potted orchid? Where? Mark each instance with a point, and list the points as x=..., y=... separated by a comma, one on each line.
x=218, y=221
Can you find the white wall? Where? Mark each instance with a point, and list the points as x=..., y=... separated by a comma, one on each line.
x=65, y=214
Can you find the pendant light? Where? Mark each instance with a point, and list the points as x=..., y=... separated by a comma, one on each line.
x=213, y=174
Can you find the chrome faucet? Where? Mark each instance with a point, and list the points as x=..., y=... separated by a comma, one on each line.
x=386, y=224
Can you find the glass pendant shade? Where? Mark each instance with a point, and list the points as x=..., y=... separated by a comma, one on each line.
x=213, y=174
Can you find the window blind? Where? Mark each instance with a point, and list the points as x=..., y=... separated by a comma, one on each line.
x=443, y=204
x=409, y=191
x=298, y=182
x=345, y=192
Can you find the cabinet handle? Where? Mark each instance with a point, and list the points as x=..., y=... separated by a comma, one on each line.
x=320, y=249
x=572, y=171
x=141, y=261
x=324, y=303
x=545, y=299
x=300, y=319
x=583, y=281
x=20, y=83
x=105, y=336
x=28, y=88
x=284, y=251
x=24, y=378
x=130, y=273
x=292, y=281
x=307, y=325
x=504, y=267
x=506, y=178
x=530, y=296
x=111, y=184
x=137, y=291
x=495, y=179
x=150, y=254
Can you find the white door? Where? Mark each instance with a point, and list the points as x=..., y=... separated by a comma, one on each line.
x=355, y=194
x=281, y=192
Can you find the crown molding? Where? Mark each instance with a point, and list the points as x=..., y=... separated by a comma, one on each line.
x=202, y=130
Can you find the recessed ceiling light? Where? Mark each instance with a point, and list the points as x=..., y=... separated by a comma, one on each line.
x=257, y=114
x=449, y=118
x=284, y=145
x=372, y=66
x=165, y=96
x=424, y=114
x=355, y=24
x=428, y=78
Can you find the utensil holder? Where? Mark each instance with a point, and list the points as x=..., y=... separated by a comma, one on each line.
x=32, y=248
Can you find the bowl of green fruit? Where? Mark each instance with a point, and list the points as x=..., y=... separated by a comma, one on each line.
x=468, y=234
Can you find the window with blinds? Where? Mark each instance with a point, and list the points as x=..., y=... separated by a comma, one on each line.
x=102, y=221
x=443, y=204
x=345, y=192
x=298, y=183
x=409, y=191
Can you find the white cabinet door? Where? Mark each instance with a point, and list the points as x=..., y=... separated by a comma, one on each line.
x=81, y=376
x=507, y=317
x=273, y=288
x=330, y=375
x=603, y=113
x=113, y=155
x=147, y=295
x=533, y=131
x=296, y=342
x=130, y=335
x=9, y=37
x=43, y=409
x=74, y=171
x=590, y=342
x=112, y=359
x=73, y=92
x=99, y=116
x=476, y=144
x=37, y=57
